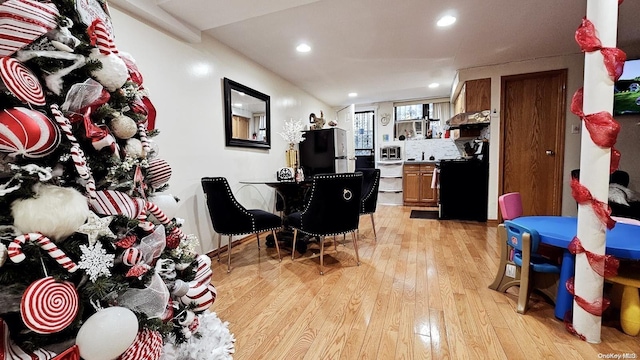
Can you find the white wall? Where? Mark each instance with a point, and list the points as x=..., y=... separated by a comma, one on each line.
x=185, y=85
x=627, y=143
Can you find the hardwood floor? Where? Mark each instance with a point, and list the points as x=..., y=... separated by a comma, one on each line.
x=421, y=292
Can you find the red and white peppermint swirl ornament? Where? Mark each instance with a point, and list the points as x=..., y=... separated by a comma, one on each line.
x=49, y=306
x=131, y=257
x=146, y=346
x=158, y=173
x=28, y=133
x=16, y=255
x=21, y=82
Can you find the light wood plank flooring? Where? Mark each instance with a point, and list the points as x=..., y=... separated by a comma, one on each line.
x=421, y=292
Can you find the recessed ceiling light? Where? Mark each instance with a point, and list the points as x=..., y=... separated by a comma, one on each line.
x=303, y=48
x=446, y=20
x=237, y=104
x=433, y=85
x=353, y=94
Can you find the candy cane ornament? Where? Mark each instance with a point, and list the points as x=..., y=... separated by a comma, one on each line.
x=16, y=255
x=164, y=220
x=77, y=155
x=142, y=132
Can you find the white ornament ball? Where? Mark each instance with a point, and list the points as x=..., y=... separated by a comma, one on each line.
x=3, y=256
x=123, y=127
x=113, y=73
x=134, y=149
x=56, y=212
x=107, y=334
x=166, y=202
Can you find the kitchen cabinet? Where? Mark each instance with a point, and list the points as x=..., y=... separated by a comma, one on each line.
x=416, y=185
x=474, y=96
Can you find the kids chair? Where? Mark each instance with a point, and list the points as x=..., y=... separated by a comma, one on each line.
x=628, y=283
x=510, y=208
x=510, y=205
x=530, y=270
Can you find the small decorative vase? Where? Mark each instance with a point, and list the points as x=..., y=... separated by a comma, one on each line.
x=291, y=156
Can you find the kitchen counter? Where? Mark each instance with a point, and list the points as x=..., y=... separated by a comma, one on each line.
x=421, y=161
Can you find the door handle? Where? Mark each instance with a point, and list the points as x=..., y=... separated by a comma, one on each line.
x=550, y=152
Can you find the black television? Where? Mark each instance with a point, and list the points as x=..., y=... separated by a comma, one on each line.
x=626, y=97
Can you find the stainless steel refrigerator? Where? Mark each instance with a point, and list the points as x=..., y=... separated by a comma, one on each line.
x=324, y=151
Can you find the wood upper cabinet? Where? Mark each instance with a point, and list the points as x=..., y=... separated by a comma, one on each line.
x=475, y=95
x=416, y=187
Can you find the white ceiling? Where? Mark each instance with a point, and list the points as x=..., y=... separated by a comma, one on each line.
x=383, y=50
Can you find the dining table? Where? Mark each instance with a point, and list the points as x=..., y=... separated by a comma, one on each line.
x=623, y=242
x=293, y=195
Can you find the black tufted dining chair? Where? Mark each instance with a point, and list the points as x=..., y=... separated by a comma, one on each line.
x=230, y=218
x=333, y=209
x=369, y=196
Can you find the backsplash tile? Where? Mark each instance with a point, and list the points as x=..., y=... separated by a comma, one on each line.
x=438, y=148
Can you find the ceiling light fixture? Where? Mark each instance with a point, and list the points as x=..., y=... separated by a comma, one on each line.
x=446, y=20
x=433, y=85
x=303, y=48
x=353, y=94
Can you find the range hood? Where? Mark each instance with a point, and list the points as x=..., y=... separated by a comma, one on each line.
x=470, y=119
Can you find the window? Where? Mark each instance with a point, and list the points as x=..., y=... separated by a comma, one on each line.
x=411, y=112
x=363, y=133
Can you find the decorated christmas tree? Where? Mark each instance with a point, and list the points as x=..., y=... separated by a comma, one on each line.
x=93, y=263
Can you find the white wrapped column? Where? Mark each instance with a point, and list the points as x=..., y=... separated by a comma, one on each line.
x=594, y=167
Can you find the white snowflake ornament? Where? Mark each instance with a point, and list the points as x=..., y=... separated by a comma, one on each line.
x=95, y=261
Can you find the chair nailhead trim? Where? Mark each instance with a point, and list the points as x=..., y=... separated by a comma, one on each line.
x=237, y=204
x=313, y=190
x=375, y=182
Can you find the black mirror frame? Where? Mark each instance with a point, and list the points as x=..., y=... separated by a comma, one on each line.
x=228, y=120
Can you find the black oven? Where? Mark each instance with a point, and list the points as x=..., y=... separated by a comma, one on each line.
x=464, y=187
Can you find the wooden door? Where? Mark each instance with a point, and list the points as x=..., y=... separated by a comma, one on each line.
x=532, y=139
x=240, y=127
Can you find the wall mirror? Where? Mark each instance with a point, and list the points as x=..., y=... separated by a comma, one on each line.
x=247, y=116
